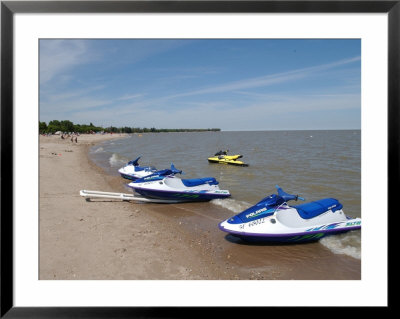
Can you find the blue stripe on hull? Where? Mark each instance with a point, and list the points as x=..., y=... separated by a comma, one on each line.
x=131, y=178
x=181, y=196
x=229, y=163
x=288, y=238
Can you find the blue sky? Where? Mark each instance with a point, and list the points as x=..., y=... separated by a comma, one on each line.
x=234, y=84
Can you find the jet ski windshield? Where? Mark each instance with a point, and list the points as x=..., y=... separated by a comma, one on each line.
x=265, y=207
x=221, y=153
x=271, y=201
x=134, y=162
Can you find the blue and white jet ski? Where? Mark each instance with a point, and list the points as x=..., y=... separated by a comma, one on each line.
x=272, y=219
x=133, y=171
x=165, y=185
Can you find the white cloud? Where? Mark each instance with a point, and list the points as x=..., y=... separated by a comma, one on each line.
x=129, y=97
x=268, y=79
x=57, y=56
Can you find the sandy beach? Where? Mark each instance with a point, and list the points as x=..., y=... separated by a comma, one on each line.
x=111, y=239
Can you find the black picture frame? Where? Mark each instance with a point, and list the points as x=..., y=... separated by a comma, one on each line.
x=9, y=8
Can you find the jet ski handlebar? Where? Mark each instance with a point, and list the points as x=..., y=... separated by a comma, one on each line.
x=168, y=171
x=286, y=196
x=176, y=171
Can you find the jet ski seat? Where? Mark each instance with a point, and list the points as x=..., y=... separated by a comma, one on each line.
x=313, y=209
x=199, y=181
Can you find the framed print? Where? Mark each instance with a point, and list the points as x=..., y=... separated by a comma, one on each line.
x=306, y=93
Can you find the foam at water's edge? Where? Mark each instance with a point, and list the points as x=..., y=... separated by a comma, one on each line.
x=98, y=150
x=348, y=244
x=231, y=204
x=116, y=160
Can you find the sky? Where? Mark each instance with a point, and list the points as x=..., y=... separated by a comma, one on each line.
x=231, y=84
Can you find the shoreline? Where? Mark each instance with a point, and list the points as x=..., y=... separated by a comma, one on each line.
x=101, y=238
x=112, y=239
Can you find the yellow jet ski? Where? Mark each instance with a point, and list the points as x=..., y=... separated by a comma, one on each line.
x=222, y=157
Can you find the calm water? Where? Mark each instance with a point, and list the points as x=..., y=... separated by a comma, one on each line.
x=313, y=164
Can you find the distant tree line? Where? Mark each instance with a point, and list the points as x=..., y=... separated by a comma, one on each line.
x=67, y=126
x=160, y=130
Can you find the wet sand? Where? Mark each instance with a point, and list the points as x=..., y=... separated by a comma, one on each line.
x=107, y=239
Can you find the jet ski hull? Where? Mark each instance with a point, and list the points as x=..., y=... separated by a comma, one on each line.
x=132, y=175
x=171, y=187
x=296, y=236
x=129, y=177
x=226, y=161
x=199, y=196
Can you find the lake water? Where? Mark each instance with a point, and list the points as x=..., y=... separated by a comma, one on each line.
x=312, y=164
